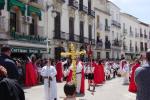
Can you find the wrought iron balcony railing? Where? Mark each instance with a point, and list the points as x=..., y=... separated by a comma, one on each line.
x=74, y=4
x=107, y=28
x=107, y=45
x=91, y=13
x=115, y=23
x=116, y=43
x=83, y=8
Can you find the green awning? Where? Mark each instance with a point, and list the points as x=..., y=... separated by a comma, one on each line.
x=2, y=3
x=17, y=3
x=34, y=10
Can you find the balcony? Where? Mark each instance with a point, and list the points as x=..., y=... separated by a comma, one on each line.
x=99, y=44
x=91, y=13
x=74, y=4
x=29, y=38
x=125, y=31
x=71, y=37
x=83, y=8
x=145, y=36
x=115, y=23
x=64, y=36
x=136, y=35
x=93, y=42
x=136, y=49
x=36, y=4
x=116, y=43
x=141, y=35
x=86, y=40
x=81, y=39
x=107, y=28
x=107, y=45
x=131, y=49
x=131, y=33
x=142, y=48
x=76, y=38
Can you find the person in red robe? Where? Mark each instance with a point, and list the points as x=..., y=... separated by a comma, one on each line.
x=97, y=74
x=60, y=70
x=31, y=76
x=70, y=75
x=82, y=89
x=102, y=73
x=132, y=85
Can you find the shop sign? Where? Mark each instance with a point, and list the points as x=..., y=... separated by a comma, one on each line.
x=28, y=50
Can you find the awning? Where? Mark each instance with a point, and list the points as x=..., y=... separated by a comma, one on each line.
x=17, y=3
x=34, y=10
x=2, y=3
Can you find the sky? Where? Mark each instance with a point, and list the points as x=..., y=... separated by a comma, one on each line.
x=137, y=8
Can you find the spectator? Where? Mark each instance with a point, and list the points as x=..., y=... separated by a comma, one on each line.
x=70, y=90
x=142, y=79
x=9, y=89
x=8, y=63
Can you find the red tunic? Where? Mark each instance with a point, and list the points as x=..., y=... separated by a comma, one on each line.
x=97, y=74
x=102, y=73
x=82, y=89
x=69, y=77
x=31, y=76
x=132, y=85
x=59, y=70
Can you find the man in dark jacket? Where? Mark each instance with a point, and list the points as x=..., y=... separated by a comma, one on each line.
x=9, y=89
x=142, y=79
x=8, y=63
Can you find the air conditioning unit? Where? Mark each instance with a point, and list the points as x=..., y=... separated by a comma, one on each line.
x=28, y=19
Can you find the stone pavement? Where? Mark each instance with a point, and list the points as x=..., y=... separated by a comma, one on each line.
x=111, y=90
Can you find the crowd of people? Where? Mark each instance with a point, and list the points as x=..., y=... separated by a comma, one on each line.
x=135, y=74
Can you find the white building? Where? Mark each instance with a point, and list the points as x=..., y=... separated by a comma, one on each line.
x=102, y=27
x=136, y=35
x=74, y=22
x=115, y=33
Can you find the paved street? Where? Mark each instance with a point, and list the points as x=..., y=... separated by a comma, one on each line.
x=111, y=90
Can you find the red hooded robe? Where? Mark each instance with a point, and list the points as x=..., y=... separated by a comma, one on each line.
x=132, y=85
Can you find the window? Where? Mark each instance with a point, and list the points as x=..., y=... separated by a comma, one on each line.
x=89, y=4
x=107, y=55
x=81, y=31
x=106, y=38
x=130, y=29
x=141, y=46
x=71, y=28
x=13, y=21
x=57, y=25
x=98, y=22
x=106, y=22
x=90, y=32
x=98, y=55
x=145, y=46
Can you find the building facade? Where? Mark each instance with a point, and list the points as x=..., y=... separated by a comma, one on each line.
x=40, y=27
x=21, y=27
x=72, y=23
x=115, y=33
x=102, y=29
